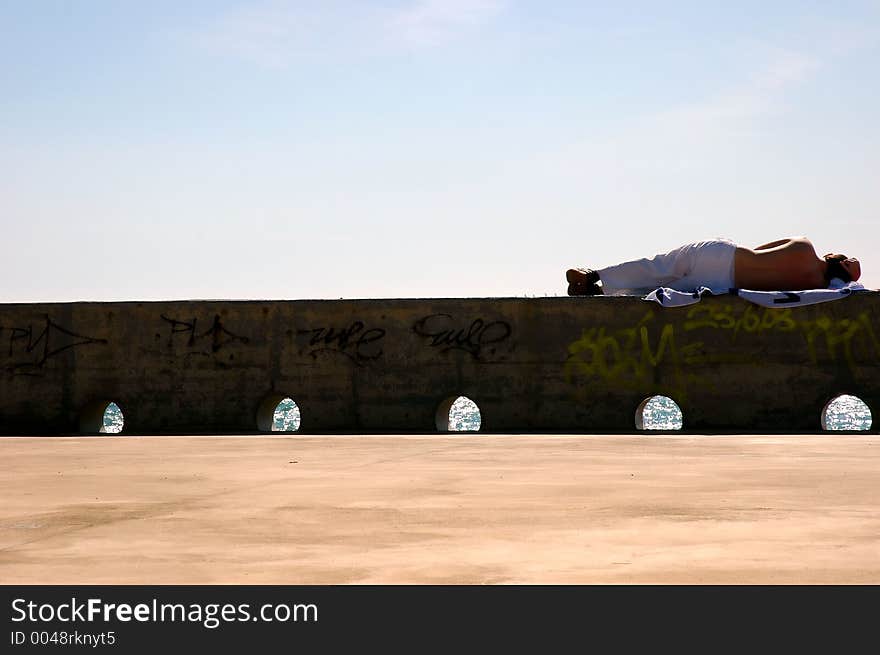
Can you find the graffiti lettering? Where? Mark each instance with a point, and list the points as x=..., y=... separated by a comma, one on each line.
x=51, y=341
x=750, y=320
x=355, y=342
x=472, y=339
x=836, y=335
x=843, y=334
x=631, y=356
x=218, y=334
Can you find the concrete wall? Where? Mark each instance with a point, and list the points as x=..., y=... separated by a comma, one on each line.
x=531, y=365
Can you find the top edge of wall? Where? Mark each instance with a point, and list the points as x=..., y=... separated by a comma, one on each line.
x=619, y=298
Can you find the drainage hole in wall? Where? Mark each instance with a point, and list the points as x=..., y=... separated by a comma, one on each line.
x=113, y=419
x=658, y=413
x=464, y=415
x=846, y=413
x=285, y=417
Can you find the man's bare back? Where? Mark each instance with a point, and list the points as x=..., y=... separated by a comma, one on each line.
x=785, y=264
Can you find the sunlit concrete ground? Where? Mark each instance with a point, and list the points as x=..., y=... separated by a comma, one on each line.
x=468, y=509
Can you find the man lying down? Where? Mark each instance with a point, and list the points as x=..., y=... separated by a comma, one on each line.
x=720, y=265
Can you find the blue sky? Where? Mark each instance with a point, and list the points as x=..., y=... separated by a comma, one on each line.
x=422, y=148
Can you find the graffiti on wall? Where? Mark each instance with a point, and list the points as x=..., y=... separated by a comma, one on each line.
x=631, y=356
x=30, y=347
x=217, y=334
x=826, y=338
x=475, y=338
x=356, y=342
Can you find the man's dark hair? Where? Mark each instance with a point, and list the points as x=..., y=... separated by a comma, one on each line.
x=835, y=269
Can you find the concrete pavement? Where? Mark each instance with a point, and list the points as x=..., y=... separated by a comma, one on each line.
x=470, y=508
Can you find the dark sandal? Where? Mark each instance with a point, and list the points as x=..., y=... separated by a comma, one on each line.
x=583, y=289
x=581, y=276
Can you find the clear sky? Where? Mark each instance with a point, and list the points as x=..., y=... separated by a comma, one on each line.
x=422, y=148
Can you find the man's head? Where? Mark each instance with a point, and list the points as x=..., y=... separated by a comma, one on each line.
x=845, y=268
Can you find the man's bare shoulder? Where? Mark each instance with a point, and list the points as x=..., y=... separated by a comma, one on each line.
x=789, y=243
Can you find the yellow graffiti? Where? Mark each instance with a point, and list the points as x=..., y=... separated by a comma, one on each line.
x=631, y=356
x=751, y=320
x=840, y=335
x=628, y=356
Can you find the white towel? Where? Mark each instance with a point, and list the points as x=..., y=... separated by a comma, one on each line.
x=779, y=299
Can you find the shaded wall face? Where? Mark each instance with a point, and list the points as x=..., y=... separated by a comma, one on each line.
x=531, y=365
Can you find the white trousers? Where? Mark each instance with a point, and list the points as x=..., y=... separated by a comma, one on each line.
x=700, y=264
